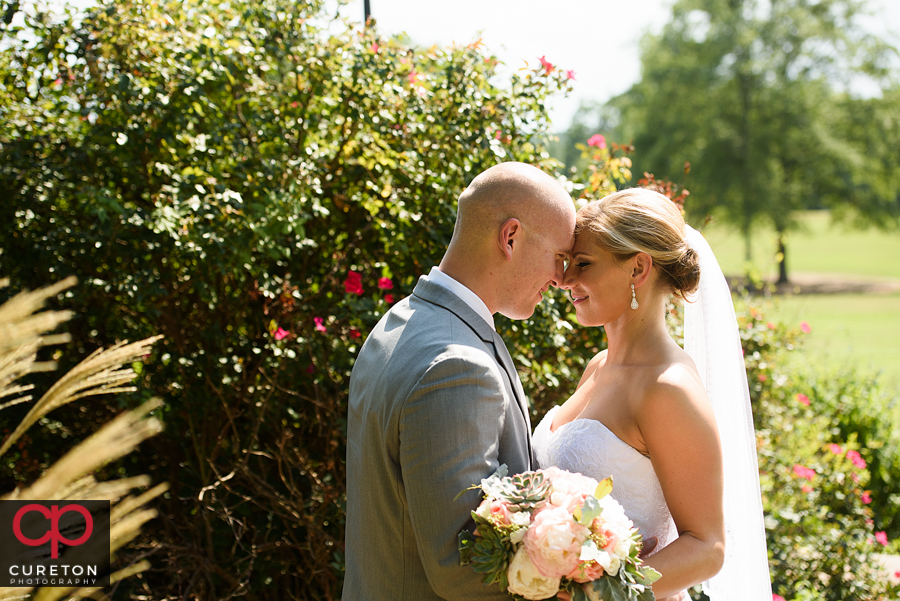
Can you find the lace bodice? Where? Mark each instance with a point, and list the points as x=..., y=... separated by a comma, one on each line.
x=588, y=447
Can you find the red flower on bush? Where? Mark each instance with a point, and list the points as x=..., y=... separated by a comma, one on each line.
x=389, y=299
x=762, y=377
x=803, y=399
x=570, y=74
x=770, y=325
x=597, y=140
x=777, y=597
x=281, y=334
x=856, y=459
x=804, y=472
x=320, y=324
x=835, y=448
x=806, y=488
x=385, y=284
x=866, y=498
x=547, y=65
x=882, y=538
x=353, y=283
x=354, y=333
x=804, y=327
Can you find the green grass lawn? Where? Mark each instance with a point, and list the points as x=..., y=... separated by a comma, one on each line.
x=861, y=330
x=818, y=246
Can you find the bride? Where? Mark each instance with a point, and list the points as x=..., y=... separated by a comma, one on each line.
x=672, y=426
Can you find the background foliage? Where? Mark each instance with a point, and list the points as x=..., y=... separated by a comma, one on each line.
x=259, y=184
x=756, y=96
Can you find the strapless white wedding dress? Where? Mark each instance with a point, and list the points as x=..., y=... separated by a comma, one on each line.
x=588, y=447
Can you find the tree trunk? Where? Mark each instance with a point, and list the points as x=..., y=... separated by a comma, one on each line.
x=782, y=261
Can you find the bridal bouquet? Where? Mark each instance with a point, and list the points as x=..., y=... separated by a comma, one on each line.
x=547, y=532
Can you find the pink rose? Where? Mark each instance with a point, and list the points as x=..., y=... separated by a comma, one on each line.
x=554, y=540
x=856, y=459
x=389, y=299
x=597, y=140
x=353, y=283
x=804, y=472
x=586, y=571
x=385, y=283
x=568, y=489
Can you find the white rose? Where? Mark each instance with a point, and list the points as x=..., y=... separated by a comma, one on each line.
x=520, y=518
x=525, y=580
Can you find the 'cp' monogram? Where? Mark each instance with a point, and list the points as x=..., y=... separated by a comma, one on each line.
x=53, y=535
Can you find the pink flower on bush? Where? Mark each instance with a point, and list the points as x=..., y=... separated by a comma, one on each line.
x=570, y=74
x=353, y=283
x=835, y=448
x=770, y=325
x=554, y=540
x=547, y=65
x=856, y=459
x=777, y=597
x=806, y=488
x=882, y=538
x=375, y=47
x=804, y=472
x=804, y=327
x=320, y=324
x=597, y=140
x=354, y=333
x=855, y=477
x=385, y=284
x=310, y=369
x=413, y=77
x=866, y=498
x=389, y=299
x=803, y=399
x=281, y=334
x=762, y=377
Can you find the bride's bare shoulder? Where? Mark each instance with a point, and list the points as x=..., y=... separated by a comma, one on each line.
x=592, y=367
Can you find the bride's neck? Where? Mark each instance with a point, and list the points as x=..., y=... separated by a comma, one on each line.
x=639, y=336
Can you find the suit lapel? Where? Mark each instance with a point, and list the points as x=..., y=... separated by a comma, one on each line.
x=437, y=294
x=507, y=362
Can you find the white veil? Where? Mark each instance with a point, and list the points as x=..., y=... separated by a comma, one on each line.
x=711, y=338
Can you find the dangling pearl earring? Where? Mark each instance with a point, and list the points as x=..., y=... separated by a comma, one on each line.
x=634, y=303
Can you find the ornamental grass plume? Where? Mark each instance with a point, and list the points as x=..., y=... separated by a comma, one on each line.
x=24, y=329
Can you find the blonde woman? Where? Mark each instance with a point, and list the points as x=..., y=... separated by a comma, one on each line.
x=672, y=426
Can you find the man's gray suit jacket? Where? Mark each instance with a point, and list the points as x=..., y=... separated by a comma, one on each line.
x=435, y=406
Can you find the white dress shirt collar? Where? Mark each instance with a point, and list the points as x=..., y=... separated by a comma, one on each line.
x=467, y=296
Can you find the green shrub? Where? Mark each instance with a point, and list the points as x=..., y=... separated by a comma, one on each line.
x=258, y=188
x=818, y=447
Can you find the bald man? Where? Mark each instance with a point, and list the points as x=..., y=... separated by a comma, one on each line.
x=435, y=401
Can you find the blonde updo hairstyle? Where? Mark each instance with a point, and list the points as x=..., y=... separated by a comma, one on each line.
x=639, y=220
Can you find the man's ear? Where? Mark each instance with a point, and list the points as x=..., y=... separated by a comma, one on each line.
x=510, y=236
x=642, y=264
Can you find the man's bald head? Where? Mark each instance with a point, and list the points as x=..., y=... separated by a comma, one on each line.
x=508, y=190
x=514, y=229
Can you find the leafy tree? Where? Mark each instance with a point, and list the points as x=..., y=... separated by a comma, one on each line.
x=750, y=94
x=258, y=184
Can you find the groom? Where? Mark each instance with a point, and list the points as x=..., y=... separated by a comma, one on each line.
x=435, y=401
